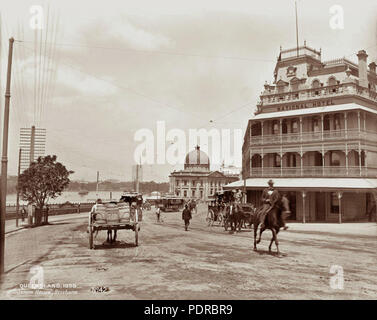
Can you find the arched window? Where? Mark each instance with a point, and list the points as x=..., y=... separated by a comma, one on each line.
x=332, y=81
x=316, y=84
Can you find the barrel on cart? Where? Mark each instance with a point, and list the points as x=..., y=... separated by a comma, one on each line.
x=126, y=214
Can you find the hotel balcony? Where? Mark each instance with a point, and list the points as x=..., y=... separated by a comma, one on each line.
x=326, y=135
x=273, y=97
x=314, y=171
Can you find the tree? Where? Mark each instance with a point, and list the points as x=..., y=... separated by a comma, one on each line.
x=45, y=179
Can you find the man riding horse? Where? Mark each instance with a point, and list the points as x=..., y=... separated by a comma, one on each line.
x=270, y=198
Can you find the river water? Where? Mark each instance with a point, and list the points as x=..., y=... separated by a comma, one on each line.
x=74, y=197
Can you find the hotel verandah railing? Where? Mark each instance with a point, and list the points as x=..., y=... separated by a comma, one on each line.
x=335, y=171
x=313, y=136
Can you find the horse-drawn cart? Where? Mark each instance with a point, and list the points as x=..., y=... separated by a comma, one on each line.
x=113, y=216
x=215, y=210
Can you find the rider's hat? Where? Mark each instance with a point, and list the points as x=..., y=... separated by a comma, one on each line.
x=270, y=181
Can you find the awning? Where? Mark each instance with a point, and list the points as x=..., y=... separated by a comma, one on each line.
x=309, y=111
x=314, y=184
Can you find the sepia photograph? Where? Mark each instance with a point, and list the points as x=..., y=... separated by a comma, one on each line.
x=172, y=151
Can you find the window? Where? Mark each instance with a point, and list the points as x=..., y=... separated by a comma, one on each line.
x=177, y=183
x=256, y=129
x=185, y=193
x=193, y=193
x=315, y=125
x=291, y=159
x=318, y=159
x=334, y=158
x=336, y=122
x=284, y=127
x=294, y=126
x=334, y=202
x=316, y=84
x=184, y=182
x=276, y=160
x=332, y=81
x=275, y=127
x=326, y=122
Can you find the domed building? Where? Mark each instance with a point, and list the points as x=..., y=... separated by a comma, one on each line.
x=196, y=180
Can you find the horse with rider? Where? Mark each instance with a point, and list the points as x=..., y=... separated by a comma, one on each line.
x=271, y=215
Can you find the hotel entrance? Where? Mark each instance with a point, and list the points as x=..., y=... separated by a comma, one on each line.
x=320, y=206
x=292, y=204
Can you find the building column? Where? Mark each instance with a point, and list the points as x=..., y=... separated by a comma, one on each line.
x=301, y=162
x=300, y=129
x=347, y=171
x=281, y=130
x=358, y=123
x=346, y=124
x=189, y=188
x=281, y=161
x=340, y=196
x=322, y=127
x=303, y=206
x=262, y=129
x=323, y=160
x=262, y=157
x=251, y=164
x=360, y=158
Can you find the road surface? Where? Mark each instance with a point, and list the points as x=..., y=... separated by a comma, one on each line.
x=202, y=263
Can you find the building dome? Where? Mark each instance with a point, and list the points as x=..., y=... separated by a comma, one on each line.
x=197, y=160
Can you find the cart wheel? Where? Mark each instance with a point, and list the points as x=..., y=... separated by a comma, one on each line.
x=136, y=234
x=91, y=244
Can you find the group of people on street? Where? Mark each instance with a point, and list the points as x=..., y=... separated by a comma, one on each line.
x=270, y=197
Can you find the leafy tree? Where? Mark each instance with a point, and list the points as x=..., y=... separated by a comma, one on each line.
x=45, y=179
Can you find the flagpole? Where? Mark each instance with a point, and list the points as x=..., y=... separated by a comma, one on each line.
x=296, y=29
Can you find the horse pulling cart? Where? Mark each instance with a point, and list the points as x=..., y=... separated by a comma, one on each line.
x=113, y=216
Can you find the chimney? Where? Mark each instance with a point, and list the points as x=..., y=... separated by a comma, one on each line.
x=372, y=67
x=363, y=70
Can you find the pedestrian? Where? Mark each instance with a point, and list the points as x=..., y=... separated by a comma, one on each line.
x=23, y=213
x=158, y=213
x=186, y=216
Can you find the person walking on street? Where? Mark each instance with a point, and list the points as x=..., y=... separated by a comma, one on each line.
x=158, y=213
x=186, y=216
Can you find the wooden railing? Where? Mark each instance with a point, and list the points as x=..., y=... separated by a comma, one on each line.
x=313, y=136
x=275, y=97
x=318, y=171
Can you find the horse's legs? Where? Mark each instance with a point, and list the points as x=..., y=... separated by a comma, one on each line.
x=260, y=233
x=108, y=236
x=274, y=238
x=277, y=242
x=115, y=235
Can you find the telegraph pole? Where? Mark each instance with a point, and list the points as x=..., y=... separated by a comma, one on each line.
x=18, y=190
x=4, y=160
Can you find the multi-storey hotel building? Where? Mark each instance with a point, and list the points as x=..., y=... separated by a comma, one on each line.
x=315, y=134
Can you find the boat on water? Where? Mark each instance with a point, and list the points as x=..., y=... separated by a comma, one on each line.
x=83, y=192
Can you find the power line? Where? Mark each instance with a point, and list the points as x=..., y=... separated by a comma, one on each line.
x=155, y=52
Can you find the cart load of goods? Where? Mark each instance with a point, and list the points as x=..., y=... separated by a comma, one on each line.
x=115, y=213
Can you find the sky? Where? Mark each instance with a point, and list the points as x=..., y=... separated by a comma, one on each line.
x=118, y=67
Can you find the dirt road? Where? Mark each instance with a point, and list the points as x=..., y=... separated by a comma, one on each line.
x=203, y=263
